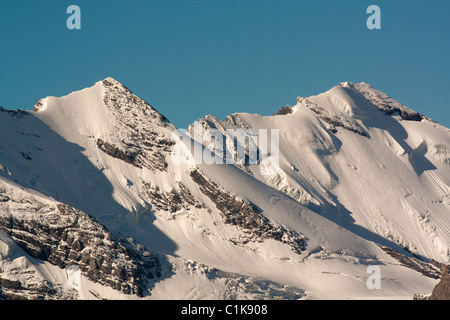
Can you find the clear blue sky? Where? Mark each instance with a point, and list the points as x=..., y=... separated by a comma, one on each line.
x=189, y=58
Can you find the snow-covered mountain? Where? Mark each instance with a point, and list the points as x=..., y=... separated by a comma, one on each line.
x=94, y=205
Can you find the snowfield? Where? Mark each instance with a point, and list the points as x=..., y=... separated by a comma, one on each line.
x=362, y=181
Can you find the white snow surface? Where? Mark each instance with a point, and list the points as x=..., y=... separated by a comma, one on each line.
x=347, y=193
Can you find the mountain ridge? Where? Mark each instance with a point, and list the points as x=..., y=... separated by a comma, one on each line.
x=361, y=181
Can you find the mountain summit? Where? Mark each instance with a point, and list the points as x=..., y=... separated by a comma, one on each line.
x=93, y=204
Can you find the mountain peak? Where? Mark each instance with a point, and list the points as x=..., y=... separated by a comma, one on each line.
x=345, y=84
x=118, y=122
x=356, y=99
x=110, y=81
x=348, y=84
x=117, y=97
x=387, y=104
x=107, y=96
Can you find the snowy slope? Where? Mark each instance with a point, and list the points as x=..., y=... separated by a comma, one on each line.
x=355, y=180
x=350, y=155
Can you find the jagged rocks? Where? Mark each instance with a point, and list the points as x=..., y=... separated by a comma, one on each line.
x=285, y=110
x=115, y=152
x=247, y=216
x=64, y=236
x=16, y=290
x=119, y=97
x=333, y=121
x=39, y=105
x=141, y=137
x=17, y=114
x=173, y=201
x=236, y=121
x=231, y=140
x=388, y=105
x=442, y=289
x=429, y=269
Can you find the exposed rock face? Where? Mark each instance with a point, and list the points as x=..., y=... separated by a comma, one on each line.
x=115, y=152
x=237, y=121
x=64, y=236
x=241, y=287
x=230, y=139
x=172, y=201
x=247, y=216
x=442, y=289
x=140, y=128
x=332, y=121
x=429, y=269
x=119, y=97
x=18, y=114
x=285, y=110
x=37, y=107
x=388, y=105
x=16, y=290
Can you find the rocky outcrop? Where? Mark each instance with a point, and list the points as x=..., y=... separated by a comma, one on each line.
x=140, y=136
x=285, y=110
x=429, y=269
x=236, y=121
x=17, y=114
x=115, y=152
x=119, y=97
x=65, y=236
x=232, y=140
x=332, y=121
x=38, y=106
x=16, y=290
x=173, y=201
x=388, y=105
x=246, y=216
x=442, y=289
